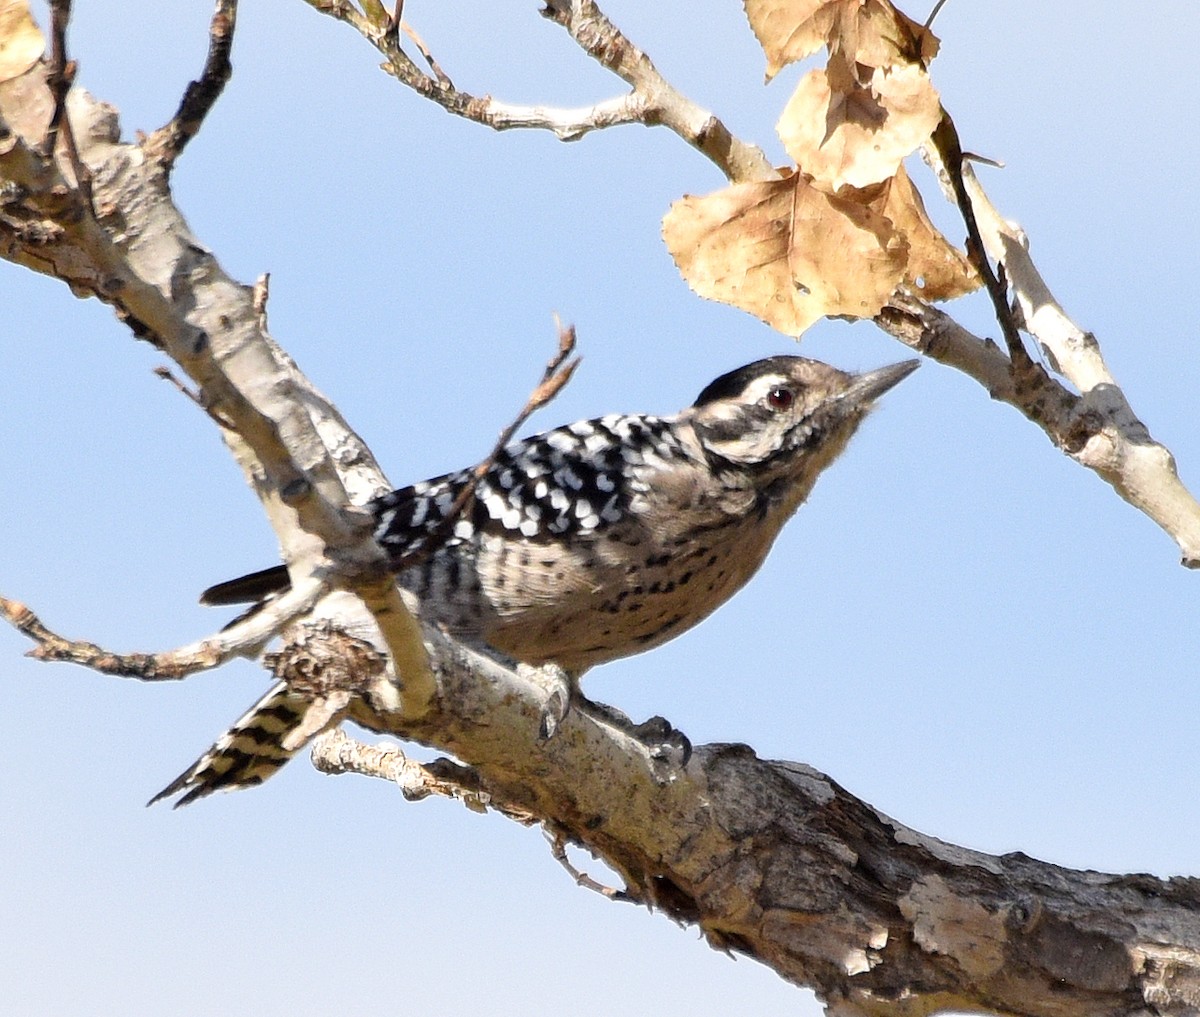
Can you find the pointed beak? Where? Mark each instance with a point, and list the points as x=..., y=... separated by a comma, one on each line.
x=866, y=388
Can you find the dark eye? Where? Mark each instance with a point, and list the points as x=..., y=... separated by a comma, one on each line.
x=780, y=398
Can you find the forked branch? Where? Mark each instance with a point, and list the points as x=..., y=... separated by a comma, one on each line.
x=652, y=100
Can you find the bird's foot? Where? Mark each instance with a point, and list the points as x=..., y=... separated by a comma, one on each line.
x=668, y=747
x=664, y=741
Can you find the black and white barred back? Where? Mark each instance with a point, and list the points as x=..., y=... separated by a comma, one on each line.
x=552, y=522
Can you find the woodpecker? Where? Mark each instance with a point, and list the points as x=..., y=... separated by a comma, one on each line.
x=592, y=541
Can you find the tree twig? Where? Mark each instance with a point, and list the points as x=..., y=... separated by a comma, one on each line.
x=556, y=375
x=61, y=77
x=245, y=638
x=597, y=36
x=167, y=143
x=946, y=144
x=443, y=78
x=335, y=752
x=558, y=840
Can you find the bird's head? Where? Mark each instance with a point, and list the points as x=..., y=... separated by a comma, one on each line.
x=784, y=419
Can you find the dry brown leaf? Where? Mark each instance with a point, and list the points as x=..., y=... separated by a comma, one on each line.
x=874, y=33
x=936, y=269
x=842, y=132
x=790, y=30
x=870, y=32
x=785, y=251
x=21, y=43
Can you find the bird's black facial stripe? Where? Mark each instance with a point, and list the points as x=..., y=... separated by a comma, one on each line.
x=717, y=432
x=734, y=382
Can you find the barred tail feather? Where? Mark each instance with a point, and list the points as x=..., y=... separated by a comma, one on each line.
x=249, y=752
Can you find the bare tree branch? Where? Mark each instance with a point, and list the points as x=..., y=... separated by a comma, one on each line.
x=335, y=752
x=442, y=77
x=1111, y=439
x=776, y=861
x=653, y=100
x=286, y=436
x=1097, y=428
x=664, y=104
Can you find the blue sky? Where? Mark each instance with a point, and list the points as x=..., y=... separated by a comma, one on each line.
x=962, y=626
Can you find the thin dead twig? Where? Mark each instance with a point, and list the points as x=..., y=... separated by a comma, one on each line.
x=167, y=143
x=556, y=375
x=335, y=752
x=442, y=77
x=558, y=851
x=51, y=646
x=61, y=78
x=245, y=638
x=164, y=372
x=945, y=142
x=934, y=13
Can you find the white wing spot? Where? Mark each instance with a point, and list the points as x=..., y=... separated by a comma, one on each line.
x=463, y=529
x=495, y=505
